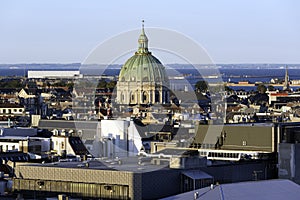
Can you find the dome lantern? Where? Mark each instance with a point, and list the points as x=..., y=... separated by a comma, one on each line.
x=143, y=42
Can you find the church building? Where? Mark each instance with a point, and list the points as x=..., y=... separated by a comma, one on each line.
x=142, y=79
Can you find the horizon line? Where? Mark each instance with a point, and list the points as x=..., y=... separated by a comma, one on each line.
x=78, y=63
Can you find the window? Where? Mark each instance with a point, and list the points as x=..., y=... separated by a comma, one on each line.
x=157, y=96
x=144, y=96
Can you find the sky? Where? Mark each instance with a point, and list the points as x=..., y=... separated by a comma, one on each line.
x=231, y=31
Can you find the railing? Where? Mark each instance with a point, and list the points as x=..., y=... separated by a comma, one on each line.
x=233, y=155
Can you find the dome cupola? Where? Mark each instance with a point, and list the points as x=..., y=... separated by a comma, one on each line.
x=143, y=42
x=142, y=79
x=143, y=66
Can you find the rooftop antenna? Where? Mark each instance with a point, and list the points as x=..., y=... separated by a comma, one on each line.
x=143, y=24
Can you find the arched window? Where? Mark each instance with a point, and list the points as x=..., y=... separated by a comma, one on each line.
x=156, y=96
x=145, y=97
x=122, y=97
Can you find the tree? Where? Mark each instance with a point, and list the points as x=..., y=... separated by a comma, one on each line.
x=201, y=86
x=14, y=83
x=271, y=88
x=102, y=84
x=261, y=88
x=60, y=83
x=70, y=85
x=111, y=84
x=228, y=89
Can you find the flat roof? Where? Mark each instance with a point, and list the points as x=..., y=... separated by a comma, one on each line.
x=65, y=124
x=251, y=124
x=129, y=164
x=22, y=138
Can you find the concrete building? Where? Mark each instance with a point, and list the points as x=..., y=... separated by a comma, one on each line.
x=109, y=179
x=105, y=138
x=64, y=145
x=8, y=110
x=53, y=74
x=119, y=138
x=33, y=145
x=289, y=152
x=95, y=180
x=247, y=137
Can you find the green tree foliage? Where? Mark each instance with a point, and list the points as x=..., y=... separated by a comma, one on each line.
x=261, y=88
x=201, y=86
x=85, y=83
x=228, y=89
x=61, y=83
x=14, y=83
x=102, y=84
x=271, y=88
x=111, y=84
x=70, y=84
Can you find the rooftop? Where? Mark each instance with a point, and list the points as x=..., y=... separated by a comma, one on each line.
x=269, y=189
x=10, y=105
x=129, y=164
x=63, y=124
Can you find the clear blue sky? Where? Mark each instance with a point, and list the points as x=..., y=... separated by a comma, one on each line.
x=232, y=31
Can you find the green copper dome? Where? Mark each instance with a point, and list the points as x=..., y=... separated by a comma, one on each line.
x=143, y=66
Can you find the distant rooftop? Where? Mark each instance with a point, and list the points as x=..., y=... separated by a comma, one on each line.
x=10, y=105
x=250, y=124
x=63, y=124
